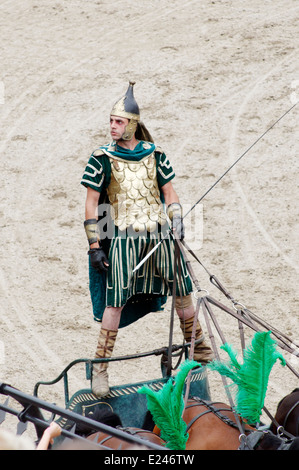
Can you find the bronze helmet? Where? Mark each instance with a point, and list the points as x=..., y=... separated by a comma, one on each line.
x=127, y=107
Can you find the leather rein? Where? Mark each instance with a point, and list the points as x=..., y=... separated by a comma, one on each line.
x=210, y=408
x=282, y=427
x=247, y=442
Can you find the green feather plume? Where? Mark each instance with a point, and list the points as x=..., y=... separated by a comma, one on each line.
x=252, y=376
x=167, y=406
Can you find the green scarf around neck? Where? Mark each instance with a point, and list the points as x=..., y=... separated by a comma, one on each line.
x=142, y=149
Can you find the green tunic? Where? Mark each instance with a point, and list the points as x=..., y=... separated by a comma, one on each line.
x=146, y=290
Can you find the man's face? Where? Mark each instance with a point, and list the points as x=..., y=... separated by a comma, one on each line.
x=117, y=126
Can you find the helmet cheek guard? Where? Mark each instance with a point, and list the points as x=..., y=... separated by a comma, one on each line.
x=130, y=129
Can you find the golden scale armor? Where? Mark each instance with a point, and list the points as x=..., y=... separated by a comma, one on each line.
x=134, y=194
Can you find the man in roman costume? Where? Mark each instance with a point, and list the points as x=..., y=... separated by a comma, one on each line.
x=129, y=184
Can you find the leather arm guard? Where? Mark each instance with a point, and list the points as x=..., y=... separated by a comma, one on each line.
x=175, y=214
x=90, y=226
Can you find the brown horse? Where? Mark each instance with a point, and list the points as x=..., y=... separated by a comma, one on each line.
x=109, y=418
x=210, y=425
x=113, y=442
x=287, y=415
x=213, y=426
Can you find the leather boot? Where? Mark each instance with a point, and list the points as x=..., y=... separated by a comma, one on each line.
x=100, y=384
x=202, y=351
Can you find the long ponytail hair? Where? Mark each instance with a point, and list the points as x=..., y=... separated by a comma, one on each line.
x=142, y=133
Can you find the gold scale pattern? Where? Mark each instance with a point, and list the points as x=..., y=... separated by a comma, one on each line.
x=134, y=195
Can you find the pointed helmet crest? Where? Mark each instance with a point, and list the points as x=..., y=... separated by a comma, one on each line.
x=127, y=106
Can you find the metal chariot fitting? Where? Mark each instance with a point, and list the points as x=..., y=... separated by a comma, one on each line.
x=198, y=295
x=280, y=431
x=237, y=305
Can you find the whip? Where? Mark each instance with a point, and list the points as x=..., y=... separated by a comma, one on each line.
x=216, y=182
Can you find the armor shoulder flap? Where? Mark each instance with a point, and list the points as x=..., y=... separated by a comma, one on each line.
x=159, y=149
x=98, y=153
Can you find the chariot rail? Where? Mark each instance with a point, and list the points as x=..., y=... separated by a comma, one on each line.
x=31, y=412
x=89, y=365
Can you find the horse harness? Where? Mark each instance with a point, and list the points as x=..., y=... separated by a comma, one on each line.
x=248, y=442
x=283, y=426
x=254, y=440
x=210, y=409
x=251, y=441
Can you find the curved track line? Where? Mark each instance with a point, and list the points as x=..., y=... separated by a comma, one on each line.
x=232, y=154
x=37, y=344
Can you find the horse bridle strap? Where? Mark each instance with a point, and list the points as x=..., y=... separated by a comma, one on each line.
x=128, y=430
x=251, y=441
x=280, y=428
x=176, y=267
x=134, y=431
x=287, y=417
x=210, y=409
x=254, y=440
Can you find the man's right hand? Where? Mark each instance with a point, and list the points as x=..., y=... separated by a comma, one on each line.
x=98, y=259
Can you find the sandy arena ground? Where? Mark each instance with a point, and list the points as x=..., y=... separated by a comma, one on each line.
x=211, y=77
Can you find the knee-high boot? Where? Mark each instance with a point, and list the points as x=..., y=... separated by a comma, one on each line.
x=106, y=341
x=202, y=351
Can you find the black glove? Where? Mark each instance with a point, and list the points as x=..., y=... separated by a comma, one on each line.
x=98, y=259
